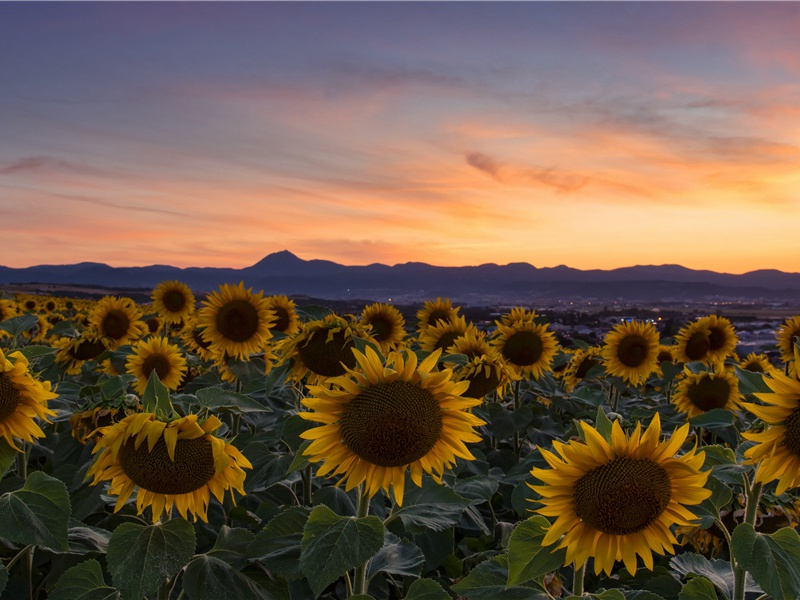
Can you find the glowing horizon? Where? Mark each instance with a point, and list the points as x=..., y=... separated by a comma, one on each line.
x=212, y=134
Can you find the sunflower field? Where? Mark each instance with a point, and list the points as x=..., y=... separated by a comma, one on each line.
x=240, y=446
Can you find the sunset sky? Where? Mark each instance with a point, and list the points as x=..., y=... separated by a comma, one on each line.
x=596, y=135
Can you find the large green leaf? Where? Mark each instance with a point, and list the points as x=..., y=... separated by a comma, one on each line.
x=606, y=595
x=718, y=572
x=3, y=578
x=231, y=546
x=751, y=383
x=527, y=559
x=156, y=398
x=487, y=581
x=31, y=352
x=773, y=560
x=397, y=557
x=432, y=506
x=83, y=582
x=83, y=539
x=141, y=558
x=709, y=509
x=7, y=456
x=277, y=546
x=715, y=418
x=20, y=324
x=698, y=588
x=332, y=545
x=219, y=399
x=37, y=514
x=209, y=578
x=426, y=589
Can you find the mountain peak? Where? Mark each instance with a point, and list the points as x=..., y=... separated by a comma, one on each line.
x=284, y=258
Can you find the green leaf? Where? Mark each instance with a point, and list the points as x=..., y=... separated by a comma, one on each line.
x=397, y=557
x=7, y=456
x=37, y=514
x=478, y=489
x=717, y=571
x=642, y=595
x=751, y=382
x=721, y=496
x=426, y=589
x=527, y=559
x=773, y=560
x=83, y=582
x=20, y=324
x=606, y=595
x=209, y=578
x=216, y=399
x=698, y=588
x=603, y=424
x=3, y=578
x=83, y=539
x=231, y=546
x=716, y=418
x=140, y=558
x=300, y=460
x=487, y=581
x=277, y=546
x=156, y=398
x=332, y=545
x=432, y=506
x=31, y=352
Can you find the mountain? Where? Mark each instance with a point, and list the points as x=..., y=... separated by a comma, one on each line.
x=285, y=273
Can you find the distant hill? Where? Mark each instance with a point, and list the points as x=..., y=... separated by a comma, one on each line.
x=285, y=273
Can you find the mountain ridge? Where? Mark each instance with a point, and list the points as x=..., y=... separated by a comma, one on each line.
x=285, y=273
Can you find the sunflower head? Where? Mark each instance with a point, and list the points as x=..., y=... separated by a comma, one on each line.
x=386, y=325
x=382, y=419
x=236, y=321
x=8, y=309
x=433, y=311
x=443, y=334
x=22, y=399
x=618, y=497
x=173, y=301
x=117, y=321
x=194, y=341
x=788, y=335
x=286, y=320
x=172, y=463
x=157, y=355
x=630, y=350
x=86, y=423
x=757, y=363
x=722, y=338
x=528, y=348
x=516, y=315
x=583, y=361
x=73, y=352
x=700, y=392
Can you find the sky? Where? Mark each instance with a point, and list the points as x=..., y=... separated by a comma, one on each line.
x=594, y=135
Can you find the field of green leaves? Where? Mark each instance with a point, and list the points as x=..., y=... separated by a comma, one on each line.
x=236, y=445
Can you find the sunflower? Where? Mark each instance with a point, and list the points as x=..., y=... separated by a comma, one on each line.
x=85, y=424
x=722, y=338
x=173, y=301
x=180, y=464
x=154, y=325
x=444, y=333
x=630, y=350
x=665, y=354
x=693, y=342
x=193, y=340
x=614, y=499
x=700, y=392
x=387, y=325
x=156, y=354
x=516, y=315
x=236, y=321
x=788, y=335
x=286, y=320
x=777, y=451
x=381, y=420
x=117, y=321
x=527, y=348
x=8, y=309
x=73, y=352
x=440, y=309
x=22, y=398
x=582, y=362
x=757, y=363
x=324, y=347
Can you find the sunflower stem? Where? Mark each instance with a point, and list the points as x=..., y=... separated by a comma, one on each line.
x=752, y=497
x=306, y=475
x=517, y=404
x=360, y=585
x=22, y=462
x=577, y=580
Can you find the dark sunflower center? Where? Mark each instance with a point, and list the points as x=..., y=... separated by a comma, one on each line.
x=708, y=393
x=115, y=324
x=30, y=304
x=237, y=320
x=325, y=357
x=523, y=348
x=698, y=345
x=154, y=471
x=632, y=350
x=664, y=356
x=381, y=328
x=447, y=339
x=50, y=306
x=282, y=320
x=791, y=437
x=87, y=350
x=174, y=300
x=586, y=364
x=716, y=338
x=623, y=496
x=152, y=324
x=392, y=424
x=438, y=314
x=754, y=366
x=9, y=397
x=481, y=384
x=158, y=363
